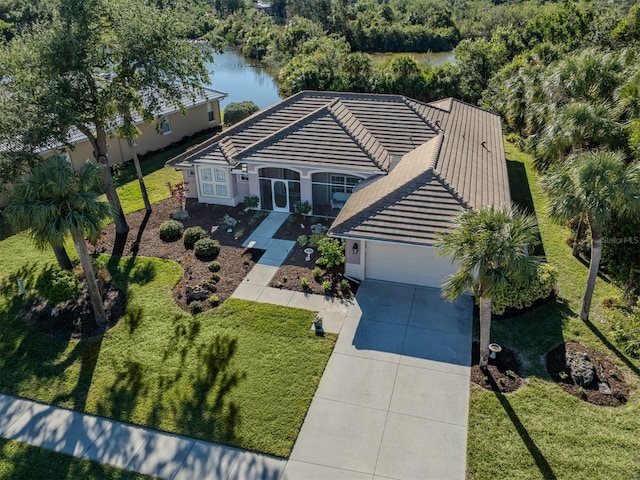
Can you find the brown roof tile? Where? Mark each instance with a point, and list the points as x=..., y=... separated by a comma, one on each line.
x=451, y=157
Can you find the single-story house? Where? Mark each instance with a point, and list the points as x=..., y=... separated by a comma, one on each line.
x=393, y=172
x=202, y=112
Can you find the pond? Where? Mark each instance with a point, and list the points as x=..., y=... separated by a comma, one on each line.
x=245, y=79
x=242, y=79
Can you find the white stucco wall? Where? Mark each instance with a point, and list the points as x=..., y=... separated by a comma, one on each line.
x=411, y=264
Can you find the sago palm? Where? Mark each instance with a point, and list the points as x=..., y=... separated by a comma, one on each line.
x=52, y=201
x=593, y=185
x=490, y=247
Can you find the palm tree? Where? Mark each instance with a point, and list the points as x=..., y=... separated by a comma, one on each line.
x=51, y=201
x=490, y=248
x=595, y=185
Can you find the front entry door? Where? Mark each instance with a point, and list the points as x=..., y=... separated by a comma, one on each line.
x=280, y=192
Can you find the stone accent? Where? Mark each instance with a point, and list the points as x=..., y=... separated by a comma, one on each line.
x=580, y=368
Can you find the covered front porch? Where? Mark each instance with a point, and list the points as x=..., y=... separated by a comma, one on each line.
x=285, y=189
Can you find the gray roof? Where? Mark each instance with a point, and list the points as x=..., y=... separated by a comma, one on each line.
x=451, y=157
x=190, y=100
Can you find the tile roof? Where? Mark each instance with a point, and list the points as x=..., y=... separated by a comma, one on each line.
x=189, y=100
x=451, y=157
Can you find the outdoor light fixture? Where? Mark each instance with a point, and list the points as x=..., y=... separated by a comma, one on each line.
x=244, y=168
x=355, y=248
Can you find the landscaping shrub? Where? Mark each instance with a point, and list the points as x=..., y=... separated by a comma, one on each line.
x=314, y=239
x=214, y=300
x=317, y=273
x=519, y=297
x=331, y=253
x=193, y=234
x=302, y=240
x=206, y=247
x=302, y=208
x=171, y=229
x=304, y=281
x=214, y=266
x=626, y=330
x=327, y=286
x=344, y=285
x=237, y=111
x=195, y=307
x=251, y=202
x=58, y=285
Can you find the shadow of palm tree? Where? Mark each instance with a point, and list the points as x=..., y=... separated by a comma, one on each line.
x=541, y=462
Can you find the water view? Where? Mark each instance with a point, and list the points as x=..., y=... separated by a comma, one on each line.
x=242, y=79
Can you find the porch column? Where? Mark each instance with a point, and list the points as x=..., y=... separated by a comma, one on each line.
x=305, y=190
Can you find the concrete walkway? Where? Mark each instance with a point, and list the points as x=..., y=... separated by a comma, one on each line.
x=393, y=401
x=255, y=285
x=130, y=447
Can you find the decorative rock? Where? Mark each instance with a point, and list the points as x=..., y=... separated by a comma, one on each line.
x=604, y=388
x=581, y=369
x=318, y=228
x=180, y=215
x=196, y=293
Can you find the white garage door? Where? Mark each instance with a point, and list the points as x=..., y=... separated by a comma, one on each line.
x=406, y=264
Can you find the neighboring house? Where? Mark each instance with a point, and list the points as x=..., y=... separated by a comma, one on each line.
x=392, y=170
x=202, y=112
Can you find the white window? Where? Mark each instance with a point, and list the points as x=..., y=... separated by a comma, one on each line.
x=214, y=182
x=165, y=126
x=211, y=112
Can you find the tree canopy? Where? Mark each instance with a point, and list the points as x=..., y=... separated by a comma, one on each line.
x=96, y=66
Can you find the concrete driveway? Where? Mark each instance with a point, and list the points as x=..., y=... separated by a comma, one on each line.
x=393, y=401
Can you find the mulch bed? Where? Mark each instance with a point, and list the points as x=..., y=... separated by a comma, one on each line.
x=75, y=319
x=292, y=228
x=235, y=260
x=290, y=274
x=606, y=372
x=501, y=375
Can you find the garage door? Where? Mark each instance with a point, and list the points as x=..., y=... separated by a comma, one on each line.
x=406, y=264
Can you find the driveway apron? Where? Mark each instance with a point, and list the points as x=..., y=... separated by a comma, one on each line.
x=393, y=401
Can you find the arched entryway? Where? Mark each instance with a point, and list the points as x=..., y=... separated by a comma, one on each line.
x=279, y=189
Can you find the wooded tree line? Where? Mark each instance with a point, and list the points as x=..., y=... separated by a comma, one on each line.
x=563, y=75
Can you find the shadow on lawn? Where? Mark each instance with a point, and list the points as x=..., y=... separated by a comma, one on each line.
x=192, y=387
x=623, y=358
x=521, y=193
x=541, y=462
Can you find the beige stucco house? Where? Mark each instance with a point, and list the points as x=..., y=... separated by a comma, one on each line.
x=393, y=172
x=202, y=112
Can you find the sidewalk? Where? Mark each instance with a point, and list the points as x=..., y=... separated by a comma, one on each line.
x=255, y=285
x=130, y=447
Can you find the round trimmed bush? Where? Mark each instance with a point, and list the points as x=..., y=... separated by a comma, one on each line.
x=206, y=247
x=195, y=307
x=236, y=111
x=193, y=234
x=214, y=266
x=171, y=229
x=58, y=285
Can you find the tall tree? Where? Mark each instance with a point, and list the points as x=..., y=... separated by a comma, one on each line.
x=52, y=201
x=490, y=247
x=594, y=185
x=98, y=64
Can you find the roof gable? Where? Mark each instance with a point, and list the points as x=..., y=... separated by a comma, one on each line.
x=408, y=205
x=328, y=136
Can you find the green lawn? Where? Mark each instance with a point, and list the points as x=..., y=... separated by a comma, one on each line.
x=541, y=431
x=242, y=374
x=155, y=177
x=19, y=460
